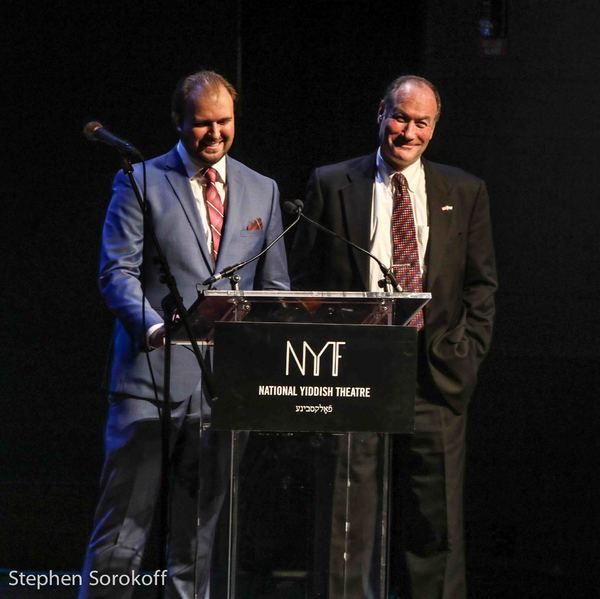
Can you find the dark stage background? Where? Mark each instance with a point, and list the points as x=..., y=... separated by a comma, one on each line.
x=311, y=74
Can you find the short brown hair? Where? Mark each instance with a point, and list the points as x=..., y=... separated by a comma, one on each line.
x=188, y=84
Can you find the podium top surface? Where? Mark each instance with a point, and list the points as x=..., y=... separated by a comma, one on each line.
x=279, y=294
x=277, y=305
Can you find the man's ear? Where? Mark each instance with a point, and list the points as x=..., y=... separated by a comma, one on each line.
x=380, y=112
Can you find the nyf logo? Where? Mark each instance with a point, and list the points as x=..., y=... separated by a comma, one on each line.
x=316, y=357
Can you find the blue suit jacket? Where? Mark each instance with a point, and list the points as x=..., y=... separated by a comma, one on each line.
x=127, y=266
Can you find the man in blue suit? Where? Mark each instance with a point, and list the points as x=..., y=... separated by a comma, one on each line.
x=209, y=211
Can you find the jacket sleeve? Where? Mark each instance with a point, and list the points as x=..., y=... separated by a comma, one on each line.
x=481, y=281
x=459, y=344
x=306, y=264
x=272, y=270
x=121, y=258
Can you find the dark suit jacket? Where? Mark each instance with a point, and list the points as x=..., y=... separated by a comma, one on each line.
x=460, y=269
x=127, y=266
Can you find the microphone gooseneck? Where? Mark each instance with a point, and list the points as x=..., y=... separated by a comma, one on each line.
x=230, y=271
x=297, y=206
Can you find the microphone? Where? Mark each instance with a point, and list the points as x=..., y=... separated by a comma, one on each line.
x=229, y=271
x=296, y=207
x=293, y=207
x=95, y=131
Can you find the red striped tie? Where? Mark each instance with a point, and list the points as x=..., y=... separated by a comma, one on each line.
x=214, y=206
x=407, y=269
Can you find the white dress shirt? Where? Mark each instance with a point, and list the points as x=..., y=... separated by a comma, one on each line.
x=198, y=183
x=381, y=215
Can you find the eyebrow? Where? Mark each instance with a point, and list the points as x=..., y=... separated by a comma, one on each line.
x=396, y=112
x=200, y=120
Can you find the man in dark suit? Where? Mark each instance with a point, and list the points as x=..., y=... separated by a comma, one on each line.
x=454, y=260
x=209, y=211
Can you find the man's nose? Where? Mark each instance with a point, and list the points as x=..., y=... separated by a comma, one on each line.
x=215, y=130
x=409, y=130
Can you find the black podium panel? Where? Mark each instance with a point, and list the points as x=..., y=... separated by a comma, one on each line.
x=314, y=377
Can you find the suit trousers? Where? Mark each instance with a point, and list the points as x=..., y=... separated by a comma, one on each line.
x=356, y=510
x=427, y=539
x=130, y=489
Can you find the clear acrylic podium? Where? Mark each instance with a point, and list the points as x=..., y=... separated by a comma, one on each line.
x=310, y=384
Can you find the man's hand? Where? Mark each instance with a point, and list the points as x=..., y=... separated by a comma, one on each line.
x=157, y=338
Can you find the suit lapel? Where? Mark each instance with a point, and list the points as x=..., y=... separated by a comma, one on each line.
x=356, y=199
x=178, y=181
x=441, y=216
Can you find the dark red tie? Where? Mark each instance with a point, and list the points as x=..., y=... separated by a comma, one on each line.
x=214, y=207
x=405, y=252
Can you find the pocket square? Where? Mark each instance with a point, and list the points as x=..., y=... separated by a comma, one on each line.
x=255, y=225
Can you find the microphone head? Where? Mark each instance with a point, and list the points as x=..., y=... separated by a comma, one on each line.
x=299, y=204
x=90, y=129
x=291, y=207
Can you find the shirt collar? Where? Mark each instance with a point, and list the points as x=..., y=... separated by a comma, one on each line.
x=193, y=167
x=411, y=172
